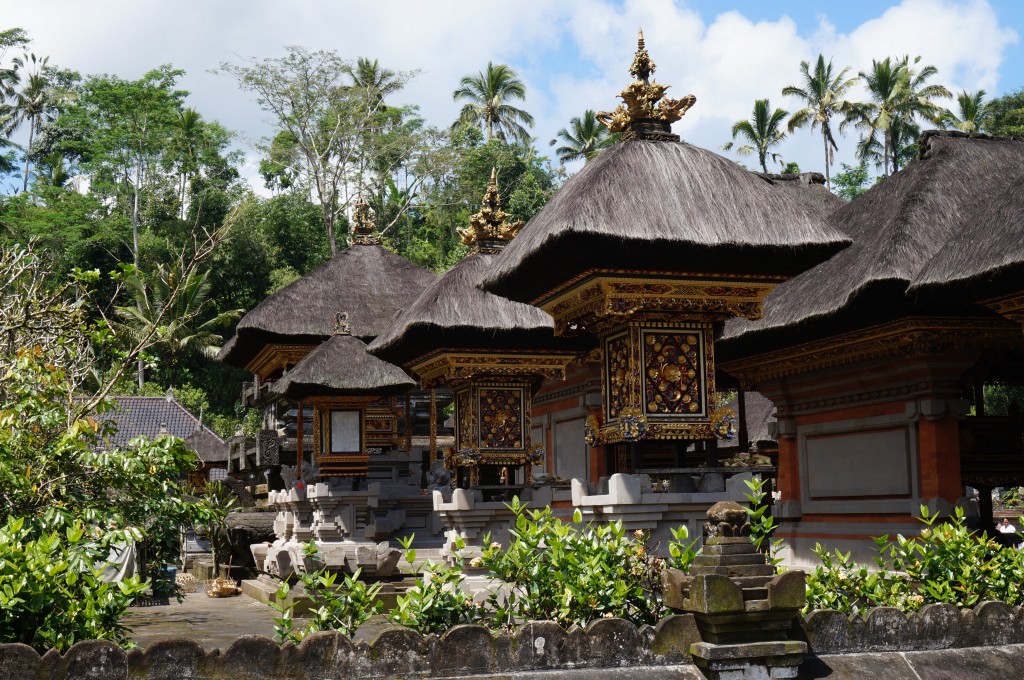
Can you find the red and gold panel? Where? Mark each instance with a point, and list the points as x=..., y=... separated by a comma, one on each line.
x=618, y=385
x=674, y=373
x=465, y=418
x=501, y=418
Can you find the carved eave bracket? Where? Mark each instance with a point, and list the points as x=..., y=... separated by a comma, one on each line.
x=907, y=337
x=645, y=111
x=276, y=357
x=1011, y=307
x=489, y=231
x=597, y=300
x=452, y=368
x=363, y=229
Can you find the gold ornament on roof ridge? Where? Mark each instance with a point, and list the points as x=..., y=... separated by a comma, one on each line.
x=362, y=232
x=488, y=231
x=645, y=111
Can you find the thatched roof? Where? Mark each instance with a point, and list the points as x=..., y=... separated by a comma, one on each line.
x=342, y=366
x=666, y=206
x=369, y=282
x=455, y=313
x=898, y=226
x=807, y=189
x=988, y=247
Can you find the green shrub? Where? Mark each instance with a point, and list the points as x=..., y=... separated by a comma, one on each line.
x=342, y=607
x=437, y=602
x=562, y=572
x=947, y=563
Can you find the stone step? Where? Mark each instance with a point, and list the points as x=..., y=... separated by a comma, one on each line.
x=729, y=548
x=735, y=570
x=723, y=560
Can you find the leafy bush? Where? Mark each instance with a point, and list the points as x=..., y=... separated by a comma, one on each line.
x=437, y=602
x=947, y=563
x=51, y=594
x=762, y=524
x=569, y=574
x=342, y=607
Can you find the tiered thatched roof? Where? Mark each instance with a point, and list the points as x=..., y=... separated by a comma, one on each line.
x=898, y=227
x=368, y=282
x=662, y=206
x=342, y=366
x=453, y=313
x=987, y=252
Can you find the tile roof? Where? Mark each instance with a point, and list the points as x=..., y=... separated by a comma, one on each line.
x=147, y=416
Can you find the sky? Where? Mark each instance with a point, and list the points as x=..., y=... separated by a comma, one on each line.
x=573, y=55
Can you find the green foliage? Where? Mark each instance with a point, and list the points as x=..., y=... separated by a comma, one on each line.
x=583, y=139
x=762, y=133
x=681, y=549
x=437, y=602
x=562, y=572
x=214, y=505
x=342, y=607
x=762, y=524
x=487, y=95
x=51, y=594
x=852, y=181
x=947, y=563
x=1005, y=115
x=1001, y=400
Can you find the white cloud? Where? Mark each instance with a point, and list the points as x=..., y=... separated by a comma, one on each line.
x=727, y=60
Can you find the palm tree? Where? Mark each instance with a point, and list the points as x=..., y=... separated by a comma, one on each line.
x=584, y=138
x=971, y=112
x=822, y=92
x=35, y=103
x=899, y=94
x=171, y=308
x=763, y=132
x=186, y=142
x=487, y=95
x=376, y=81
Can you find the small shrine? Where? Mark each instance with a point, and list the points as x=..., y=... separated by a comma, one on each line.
x=651, y=247
x=490, y=351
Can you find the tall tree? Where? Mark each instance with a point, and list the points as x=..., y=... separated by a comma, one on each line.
x=173, y=307
x=823, y=93
x=763, y=132
x=36, y=102
x=487, y=95
x=899, y=94
x=341, y=137
x=1006, y=115
x=584, y=138
x=971, y=113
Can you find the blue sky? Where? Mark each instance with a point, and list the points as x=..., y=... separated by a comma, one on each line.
x=573, y=54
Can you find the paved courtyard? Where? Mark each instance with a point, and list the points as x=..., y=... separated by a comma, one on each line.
x=211, y=621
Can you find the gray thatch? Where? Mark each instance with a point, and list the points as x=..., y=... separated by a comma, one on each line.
x=760, y=415
x=454, y=312
x=369, y=282
x=342, y=366
x=666, y=206
x=897, y=227
x=990, y=244
x=807, y=189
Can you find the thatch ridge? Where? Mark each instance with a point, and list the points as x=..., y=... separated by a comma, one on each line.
x=808, y=189
x=342, y=366
x=455, y=308
x=655, y=202
x=990, y=242
x=369, y=282
x=897, y=226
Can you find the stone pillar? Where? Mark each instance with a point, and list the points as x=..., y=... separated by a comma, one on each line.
x=743, y=610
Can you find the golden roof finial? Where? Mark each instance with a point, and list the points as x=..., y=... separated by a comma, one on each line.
x=362, y=229
x=645, y=112
x=488, y=232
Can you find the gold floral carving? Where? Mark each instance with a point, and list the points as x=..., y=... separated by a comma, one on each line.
x=488, y=231
x=604, y=300
x=454, y=368
x=643, y=100
x=1011, y=306
x=501, y=418
x=658, y=381
x=911, y=336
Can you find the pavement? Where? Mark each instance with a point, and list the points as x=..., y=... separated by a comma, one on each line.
x=213, y=622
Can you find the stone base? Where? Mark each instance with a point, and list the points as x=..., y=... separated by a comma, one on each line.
x=749, y=661
x=262, y=589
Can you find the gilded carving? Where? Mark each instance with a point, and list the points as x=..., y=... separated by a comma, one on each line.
x=643, y=100
x=605, y=299
x=1011, y=306
x=915, y=335
x=501, y=418
x=362, y=225
x=276, y=357
x=453, y=368
x=488, y=230
x=619, y=375
x=673, y=373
